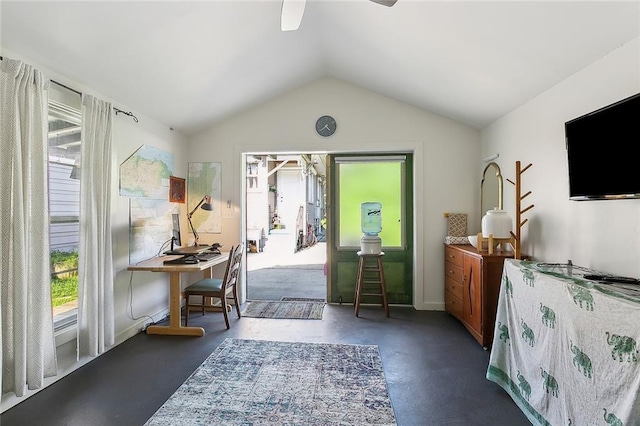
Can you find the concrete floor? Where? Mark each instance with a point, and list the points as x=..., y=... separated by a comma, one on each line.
x=278, y=271
x=434, y=369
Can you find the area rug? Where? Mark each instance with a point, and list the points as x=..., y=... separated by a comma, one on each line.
x=284, y=309
x=302, y=299
x=257, y=382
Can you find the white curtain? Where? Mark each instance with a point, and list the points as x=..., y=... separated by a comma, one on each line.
x=27, y=340
x=95, y=268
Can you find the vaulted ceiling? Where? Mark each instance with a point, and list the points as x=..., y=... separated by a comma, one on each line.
x=192, y=64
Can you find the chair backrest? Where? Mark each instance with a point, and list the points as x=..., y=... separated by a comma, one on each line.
x=233, y=267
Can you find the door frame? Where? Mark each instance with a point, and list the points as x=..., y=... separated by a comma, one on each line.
x=245, y=154
x=343, y=263
x=418, y=151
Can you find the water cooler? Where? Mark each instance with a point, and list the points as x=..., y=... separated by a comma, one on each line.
x=371, y=224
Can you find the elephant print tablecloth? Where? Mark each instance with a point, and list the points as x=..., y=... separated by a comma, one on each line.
x=565, y=348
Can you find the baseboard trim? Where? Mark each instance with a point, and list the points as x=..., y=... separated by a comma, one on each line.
x=430, y=306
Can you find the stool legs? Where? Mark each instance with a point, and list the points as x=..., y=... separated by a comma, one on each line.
x=358, y=290
x=361, y=279
x=383, y=287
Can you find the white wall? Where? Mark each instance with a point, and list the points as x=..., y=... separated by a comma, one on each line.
x=446, y=158
x=602, y=235
x=149, y=290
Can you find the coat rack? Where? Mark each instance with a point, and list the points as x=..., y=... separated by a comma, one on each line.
x=519, y=210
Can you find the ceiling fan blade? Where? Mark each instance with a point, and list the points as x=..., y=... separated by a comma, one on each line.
x=387, y=3
x=292, y=11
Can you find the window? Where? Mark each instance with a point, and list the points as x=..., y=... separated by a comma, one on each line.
x=65, y=120
x=370, y=179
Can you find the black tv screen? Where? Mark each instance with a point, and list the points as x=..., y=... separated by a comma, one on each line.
x=602, y=152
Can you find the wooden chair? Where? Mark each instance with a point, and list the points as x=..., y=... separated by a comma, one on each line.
x=217, y=288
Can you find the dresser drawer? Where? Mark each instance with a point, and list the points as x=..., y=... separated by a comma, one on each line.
x=453, y=256
x=454, y=287
x=453, y=271
x=453, y=304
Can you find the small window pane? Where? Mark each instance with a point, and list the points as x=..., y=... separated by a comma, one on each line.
x=64, y=203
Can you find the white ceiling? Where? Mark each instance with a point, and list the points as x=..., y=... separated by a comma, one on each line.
x=191, y=64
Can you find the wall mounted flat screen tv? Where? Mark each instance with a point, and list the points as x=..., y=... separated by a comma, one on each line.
x=602, y=152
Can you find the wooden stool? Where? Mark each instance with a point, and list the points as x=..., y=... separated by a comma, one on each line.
x=370, y=273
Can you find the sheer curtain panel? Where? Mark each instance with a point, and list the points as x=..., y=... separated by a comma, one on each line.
x=95, y=268
x=28, y=349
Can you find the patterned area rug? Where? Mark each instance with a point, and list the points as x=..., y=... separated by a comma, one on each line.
x=303, y=299
x=284, y=309
x=255, y=382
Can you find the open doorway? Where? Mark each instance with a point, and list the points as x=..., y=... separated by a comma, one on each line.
x=286, y=226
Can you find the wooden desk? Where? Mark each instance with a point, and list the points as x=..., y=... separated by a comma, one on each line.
x=175, y=291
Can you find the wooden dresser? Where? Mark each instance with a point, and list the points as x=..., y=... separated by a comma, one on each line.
x=472, y=285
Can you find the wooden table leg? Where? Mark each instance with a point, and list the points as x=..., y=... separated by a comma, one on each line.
x=175, y=327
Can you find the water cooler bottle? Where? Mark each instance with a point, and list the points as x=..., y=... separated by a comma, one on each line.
x=371, y=224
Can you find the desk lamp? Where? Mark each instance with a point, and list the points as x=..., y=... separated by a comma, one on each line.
x=206, y=205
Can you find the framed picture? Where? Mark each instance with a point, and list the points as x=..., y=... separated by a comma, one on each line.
x=176, y=189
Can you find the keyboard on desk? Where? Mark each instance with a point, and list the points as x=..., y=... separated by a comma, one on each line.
x=184, y=260
x=207, y=255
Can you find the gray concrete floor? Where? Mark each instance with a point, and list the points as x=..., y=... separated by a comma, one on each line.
x=278, y=271
x=275, y=283
x=435, y=370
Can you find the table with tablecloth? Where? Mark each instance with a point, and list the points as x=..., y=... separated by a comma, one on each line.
x=566, y=348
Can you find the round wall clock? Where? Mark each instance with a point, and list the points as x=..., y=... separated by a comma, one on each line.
x=326, y=126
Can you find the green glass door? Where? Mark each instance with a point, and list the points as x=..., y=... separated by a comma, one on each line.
x=353, y=180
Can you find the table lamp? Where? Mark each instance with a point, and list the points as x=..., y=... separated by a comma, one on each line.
x=206, y=205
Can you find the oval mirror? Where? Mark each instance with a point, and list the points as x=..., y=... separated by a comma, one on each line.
x=490, y=189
